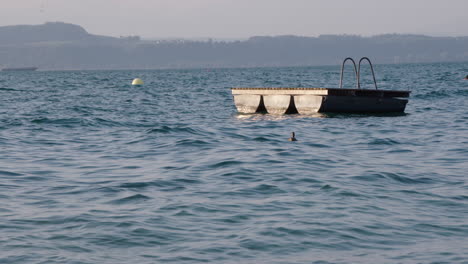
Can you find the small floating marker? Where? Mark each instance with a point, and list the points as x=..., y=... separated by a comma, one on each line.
x=293, y=137
x=137, y=81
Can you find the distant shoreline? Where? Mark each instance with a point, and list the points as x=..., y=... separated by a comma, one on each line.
x=20, y=69
x=246, y=67
x=62, y=46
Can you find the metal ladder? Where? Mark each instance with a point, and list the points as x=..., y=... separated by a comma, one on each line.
x=357, y=71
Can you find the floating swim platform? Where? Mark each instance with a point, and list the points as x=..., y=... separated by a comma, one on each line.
x=284, y=100
x=317, y=100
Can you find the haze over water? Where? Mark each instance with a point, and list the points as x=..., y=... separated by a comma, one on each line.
x=93, y=170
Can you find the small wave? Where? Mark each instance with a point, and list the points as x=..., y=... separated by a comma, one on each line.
x=446, y=230
x=369, y=177
x=138, y=185
x=396, y=177
x=261, y=189
x=445, y=204
x=162, y=185
x=262, y=139
x=460, y=197
x=106, y=189
x=131, y=199
x=317, y=145
x=280, y=232
x=258, y=245
x=350, y=194
x=75, y=249
x=308, y=180
x=226, y=163
x=235, y=219
x=33, y=178
x=192, y=143
x=74, y=122
x=106, y=123
x=384, y=141
x=433, y=95
x=9, y=89
x=328, y=187
x=268, y=189
x=9, y=173
x=183, y=213
x=236, y=136
x=240, y=173
x=8, y=123
x=463, y=92
x=404, y=179
x=53, y=220
x=400, y=151
x=176, y=129
x=66, y=122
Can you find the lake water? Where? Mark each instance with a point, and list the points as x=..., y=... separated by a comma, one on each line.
x=94, y=170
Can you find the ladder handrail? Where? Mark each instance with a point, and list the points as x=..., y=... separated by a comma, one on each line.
x=359, y=72
x=355, y=71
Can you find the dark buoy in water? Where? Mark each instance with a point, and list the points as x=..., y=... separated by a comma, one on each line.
x=293, y=137
x=466, y=78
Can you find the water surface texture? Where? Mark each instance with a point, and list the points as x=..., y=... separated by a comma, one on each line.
x=94, y=170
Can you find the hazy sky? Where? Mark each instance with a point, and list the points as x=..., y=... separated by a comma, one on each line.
x=244, y=18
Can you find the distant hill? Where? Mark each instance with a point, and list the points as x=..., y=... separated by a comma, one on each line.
x=60, y=45
x=48, y=32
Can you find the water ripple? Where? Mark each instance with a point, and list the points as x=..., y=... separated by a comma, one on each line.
x=94, y=170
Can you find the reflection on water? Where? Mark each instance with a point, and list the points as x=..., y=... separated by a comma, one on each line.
x=272, y=117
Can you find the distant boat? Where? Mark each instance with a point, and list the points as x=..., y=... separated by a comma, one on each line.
x=20, y=69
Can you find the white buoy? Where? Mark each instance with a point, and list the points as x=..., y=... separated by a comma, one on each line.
x=137, y=81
